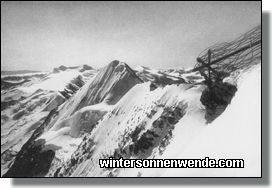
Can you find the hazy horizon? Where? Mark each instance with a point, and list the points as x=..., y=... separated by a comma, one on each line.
x=44, y=35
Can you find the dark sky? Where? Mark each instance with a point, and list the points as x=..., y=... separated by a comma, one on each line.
x=43, y=35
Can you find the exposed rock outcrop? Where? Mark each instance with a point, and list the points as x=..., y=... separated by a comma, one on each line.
x=216, y=98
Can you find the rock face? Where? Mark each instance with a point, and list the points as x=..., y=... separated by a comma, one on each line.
x=86, y=67
x=60, y=68
x=109, y=85
x=216, y=98
x=55, y=102
x=72, y=87
x=158, y=135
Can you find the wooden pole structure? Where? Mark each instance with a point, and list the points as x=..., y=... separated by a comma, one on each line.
x=225, y=56
x=209, y=67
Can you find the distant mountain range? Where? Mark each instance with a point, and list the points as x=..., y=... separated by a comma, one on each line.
x=18, y=72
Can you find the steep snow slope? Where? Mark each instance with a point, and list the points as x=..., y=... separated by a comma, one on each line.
x=110, y=84
x=236, y=134
x=140, y=128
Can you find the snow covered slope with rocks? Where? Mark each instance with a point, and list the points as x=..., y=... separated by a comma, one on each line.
x=25, y=104
x=236, y=134
x=134, y=114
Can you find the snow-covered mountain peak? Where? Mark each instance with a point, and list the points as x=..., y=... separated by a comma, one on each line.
x=109, y=85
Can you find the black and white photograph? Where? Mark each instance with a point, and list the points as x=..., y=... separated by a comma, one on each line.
x=131, y=89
